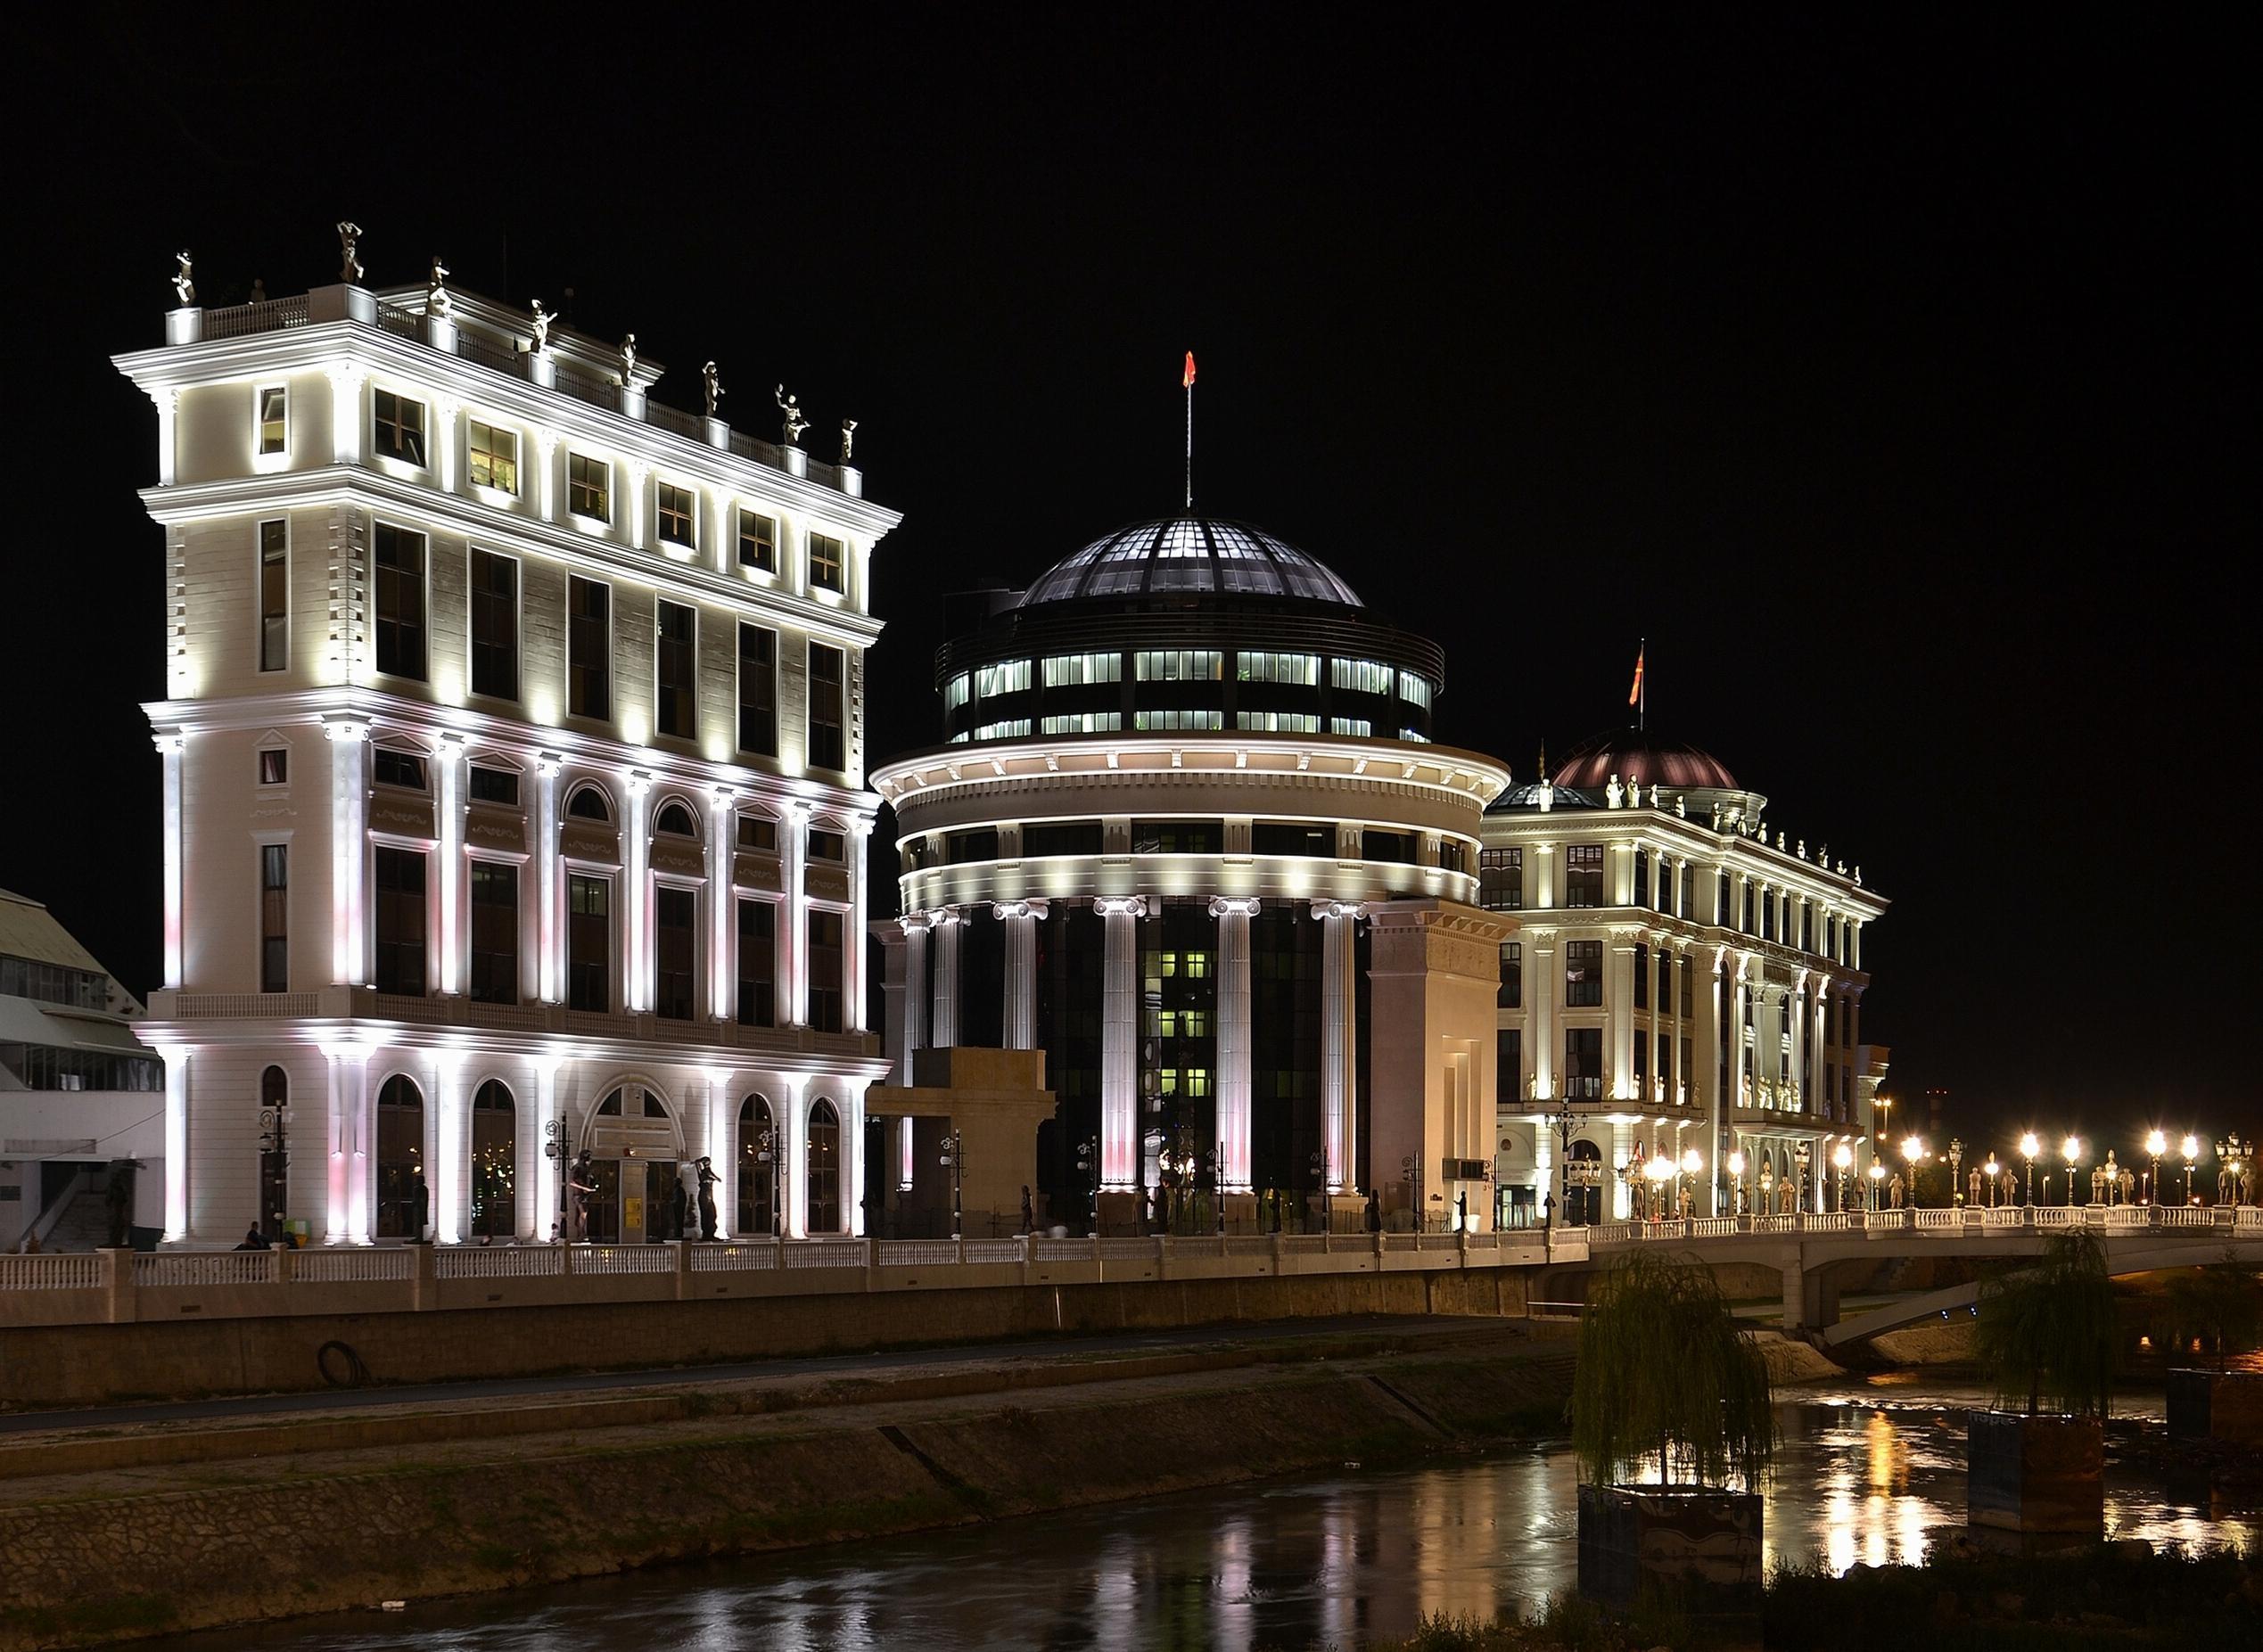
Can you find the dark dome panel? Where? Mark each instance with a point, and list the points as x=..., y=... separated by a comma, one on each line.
x=1189, y=555
x=1640, y=758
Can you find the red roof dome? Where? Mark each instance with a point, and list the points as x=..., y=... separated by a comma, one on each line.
x=1640, y=758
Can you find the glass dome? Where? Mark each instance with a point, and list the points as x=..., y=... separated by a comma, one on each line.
x=1176, y=556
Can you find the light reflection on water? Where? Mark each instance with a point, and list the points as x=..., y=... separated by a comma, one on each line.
x=1865, y=1472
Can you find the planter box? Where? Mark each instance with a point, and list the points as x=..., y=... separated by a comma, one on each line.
x=2216, y=1405
x=2036, y=1474
x=1696, y=1547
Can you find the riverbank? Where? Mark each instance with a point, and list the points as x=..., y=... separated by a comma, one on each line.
x=140, y=1535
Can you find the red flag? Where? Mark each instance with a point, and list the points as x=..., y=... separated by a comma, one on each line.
x=1635, y=695
x=1187, y=383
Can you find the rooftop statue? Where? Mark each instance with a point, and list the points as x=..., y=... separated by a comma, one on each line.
x=1653, y=794
x=848, y=439
x=791, y=406
x=259, y=291
x=349, y=240
x=437, y=301
x=182, y=285
x=712, y=383
x=540, y=320
x=1614, y=792
x=628, y=358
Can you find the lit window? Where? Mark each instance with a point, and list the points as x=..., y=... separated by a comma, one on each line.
x=274, y=595
x=1010, y=677
x=955, y=692
x=1277, y=668
x=274, y=425
x=1358, y=726
x=589, y=488
x=1179, y=720
x=674, y=508
x=1069, y=669
x=1367, y=677
x=1083, y=722
x=757, y=541
x=1280, y=722
x=1178, y=665
x=1008, y=728
x=1413, y=689
x=400, y=428
x=1584, y=875
x=274, y=766
x=826, y=561
x=1584, y=975
x=1414, y=736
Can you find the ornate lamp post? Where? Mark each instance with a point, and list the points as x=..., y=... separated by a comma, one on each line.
x=2030, y=1145
x=1413, y=1165
x=1804, y=1198
x=1994, y=1173
x=1877, y=1183
x=1564, y=1121
x=2071, y=1150
x=274, y=1164
x=1658, y=1171
x=1913, y=1152
x=2232, y=1154
x=954, y=1155
x=1692, y=1163
x=2156, y=1144
x=1736, y=1170
x=2190, y=1148
x=1956, y=1167
x=1842, y=1158
x=1087, y=1166
x=766, y=1152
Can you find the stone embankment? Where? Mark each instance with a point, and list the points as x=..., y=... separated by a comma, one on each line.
x=108, y=1536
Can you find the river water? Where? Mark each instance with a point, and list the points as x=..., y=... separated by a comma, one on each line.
x=1865, y=1471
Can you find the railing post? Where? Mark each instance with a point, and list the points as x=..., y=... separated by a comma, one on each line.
x=117, y=1286
x=423, y=1279
x=566, y=1260
x=1162, y=1255
x=683, y=1270
x=285, y=1262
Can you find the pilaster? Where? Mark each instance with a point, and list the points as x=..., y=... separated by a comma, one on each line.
x=1340, y=1040
x=1120, y=917
x=1233, y=914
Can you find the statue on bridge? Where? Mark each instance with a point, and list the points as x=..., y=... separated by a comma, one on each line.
x=1972, y=1187
x=1893, y=1192
x=2126, y=1183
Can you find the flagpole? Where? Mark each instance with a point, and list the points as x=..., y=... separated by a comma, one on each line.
x=1643, y=712
x=1190, y=442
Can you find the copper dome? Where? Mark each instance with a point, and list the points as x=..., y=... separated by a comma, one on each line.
x=1639, y=758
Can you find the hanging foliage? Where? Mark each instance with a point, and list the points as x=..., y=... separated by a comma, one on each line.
x=2047, y=1333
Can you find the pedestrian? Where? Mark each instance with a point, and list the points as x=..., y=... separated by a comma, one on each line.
x=253, y=1239
x=679, y=1207
x=118, y=1198
x=1461, y=1209
x=1029, y=1211
x=420, y=1208
x=579, y=1185
x=1547, y=1213
x=708, y=1179
x=1374, y=1212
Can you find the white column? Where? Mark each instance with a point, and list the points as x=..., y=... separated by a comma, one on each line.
x=455, y=938
x=334, y=1222
x=358, y=1158
x=1544, y=990
x=915, y=1036
x=943, y=1024
x=1021, y=918
x=1618, y=1017
x=1795, y=1006
x=794, y=1178
x=444, y=411
x=1621, y=1150
x=548, y=894
x=1120, y=915
x=546, y=446
x=1817, y=1050
x=348, y=848
x=853, y=1157
x=856, y=1007
x=451, y=1182
x=1340, y=1040
x=1233, y=913
x=168, y=747
x=636, y=898
x=1706, y=1051
x=345, y=413
x=168, y=408
x=716, y=1144
x=723, y=907
x=549, y=1168
x=176, y=1143
x=793, y=957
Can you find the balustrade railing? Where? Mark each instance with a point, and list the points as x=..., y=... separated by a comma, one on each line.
x=67, y=1271
x=205, y=1268
x=828, y=1254
x=994, y=1250
x=1936, y=1221
x=757, y=1257
x=500, y=1261
x=667, y=418
x=917, y=1252
x=623, y=1259
x=269, y=316
x=353, y=1266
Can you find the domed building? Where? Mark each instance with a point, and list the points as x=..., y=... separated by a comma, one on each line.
x=1682, y=978
x=1186, y=833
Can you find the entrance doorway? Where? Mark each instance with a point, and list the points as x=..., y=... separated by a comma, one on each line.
x=634, y=1152
x=1584, y=1184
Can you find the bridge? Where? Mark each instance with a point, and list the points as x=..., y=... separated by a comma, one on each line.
x=1817, y=1253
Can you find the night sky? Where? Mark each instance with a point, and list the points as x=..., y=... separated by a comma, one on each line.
x=1892, y=384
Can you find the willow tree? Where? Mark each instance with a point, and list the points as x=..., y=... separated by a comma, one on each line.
x=2047, y=1333
x=1665, y=1373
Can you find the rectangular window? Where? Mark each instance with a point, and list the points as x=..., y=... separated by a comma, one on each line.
x=1511, y=995
x=828, y=744
x=275, y=430
x=274, y=766
x=757, y=541
x=275, y=918
x=1768, y=915
x=1358, y=725
x=830, y=847
x=956, y=691
x=495, y=932
x=1583, y=1064
x=1721, y=901
x=1279, y=722
x=588, y=648
x=1008, y=678
x=979, y=845
x=1393, y=846
x=589, y=487
x=1413, y=689
x=495, y=786
x=828, y=564
x=589, y=943
x=1666, y=984
x=675, y=950
x=1584, y=875
x=1689, y=989
x=1641, y=977
x=1807, y=927
x=675, y=670
x=1178, y=837
x=1071, y=669
x=400, y=921
x=495, y=626
x=1500, y=880
x=758, y=833
x=400, y=428
x=1367, y=676
x=1641, y=1060
x=1641, y=877
x=274, y=595
x=1176, y=719
x=1083, y=722
x=826, y=960
x=1293, y=838
x=673, y=514
x=494, y=456
x=758, y=963
x=757, y=690
x=399, y=558
x=1177, y=665
x=1276, y=667
x=390, y=766
x=1748, y=893
x=1584, y=975
x=1508, y=1053
x=1062, y=837
x=1689, y=891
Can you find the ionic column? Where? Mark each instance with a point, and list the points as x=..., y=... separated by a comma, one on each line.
x=853, y=1157
x=455, y=940
x=549, y=895
x=451, y=1182
x=345, y=413
x=168, y=747
x=637, y=902
x=357, y=1159
x=176, y=1143
x=1339, y=1040
x=549, y=1166
x=1618, y=1017
x=723, y=907
x=1794, y=1006
x=943, y=1021
x=1021, y=919
x=1816, y=1048
x=349, y=833
x=856, y=1007
x=1120, y=917
x=334, y=1218
x=793, y=857
x=1706, y=1039
x=169, y=409
x=793, y=1135
x=1233, y=913
x=1622, y=1151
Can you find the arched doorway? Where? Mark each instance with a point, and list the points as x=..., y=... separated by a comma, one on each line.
x=758, y=1161
x=824, y=1208
x=1584, y=1184
x=633, y=1150
x=274, y=1156
x=400, y=1157
x=495, y=1149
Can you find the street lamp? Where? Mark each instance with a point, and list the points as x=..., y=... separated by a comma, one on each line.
x=1564, y=1121
x=1877, y=1183
x=2030, y=1145
x=1658, y=1171
x=1736, y=1170
x=1692, y=1162
x=1993, y=1170
x=1087, y=1165
x=2156, y=1144
x=954, y=1154
x=1842, y=1156
x=766, y=1152
x=1913, y=1150
x=1956, y=1169
x=275, y=1167
x=2071, y=1150
x=1803, y=1198
x=2190, y=1146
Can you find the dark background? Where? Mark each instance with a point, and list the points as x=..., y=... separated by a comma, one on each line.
x=1896, y=379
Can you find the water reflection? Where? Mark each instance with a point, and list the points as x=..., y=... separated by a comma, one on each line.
x=1864, y=1474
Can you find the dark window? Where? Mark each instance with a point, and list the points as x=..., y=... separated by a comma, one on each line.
x=1747, y=908
x=758, y=963
x=274, y=766
x=1062, y=837
x=1511, y=995
x=275, y=918
x=673, y=512
x=1584, y=975
x=1641, y=877
x=1178, y=837
x=400, y=921
x=1807, y=928
x=1689, y=989
x=1721, y=902
x=981, y=844
x=677, y=670
x=494, y=932
x=828, y=745
x=757, y=541
x=826, y=563
x=1689, y=891
x=400, y=427
x=495, y=626
x=1768, y=915
x=757, y=690
x=1293, y=838
x=401, y=602
x=1500, y=880
x=274, y=595
x=1509, y=1055
x=1583, y=1064
x=676, y=820
x=1395, y=846
x=828, y=846
x=589, y=943
x=400, y=1160
x=758, y=833
x=823, y=1205
x=1641, y=977
x=494, y=785
x=588, y=648
x=589, y=488
x=589, y=803
x=494, y=1160
x=757, y=1169
x=1584, y=875
x=676, y=926
x=1454, y=854
x=1666, y=984
x=392, y=767
x=826, y=960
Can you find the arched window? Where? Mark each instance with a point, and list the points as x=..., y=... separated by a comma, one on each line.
x=647, y=1105
x=825, y=1167
x=676, y=820
x=495, y=1150
x=758, y=1163
x=589, y=803
x=401, y=1159
x=1582, y=1184
x=274, y=1156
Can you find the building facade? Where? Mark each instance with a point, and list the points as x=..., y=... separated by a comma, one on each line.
x=1682, y=979
x=1188, y=834
x=513, y=782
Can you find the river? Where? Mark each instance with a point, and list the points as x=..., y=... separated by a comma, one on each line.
x=1866, y=1470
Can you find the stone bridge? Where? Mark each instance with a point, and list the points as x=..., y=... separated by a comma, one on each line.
x=1816, y=1254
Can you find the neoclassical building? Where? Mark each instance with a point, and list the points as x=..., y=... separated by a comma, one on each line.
x=513, y=780
x=1186, y=831
x=1684, y=976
